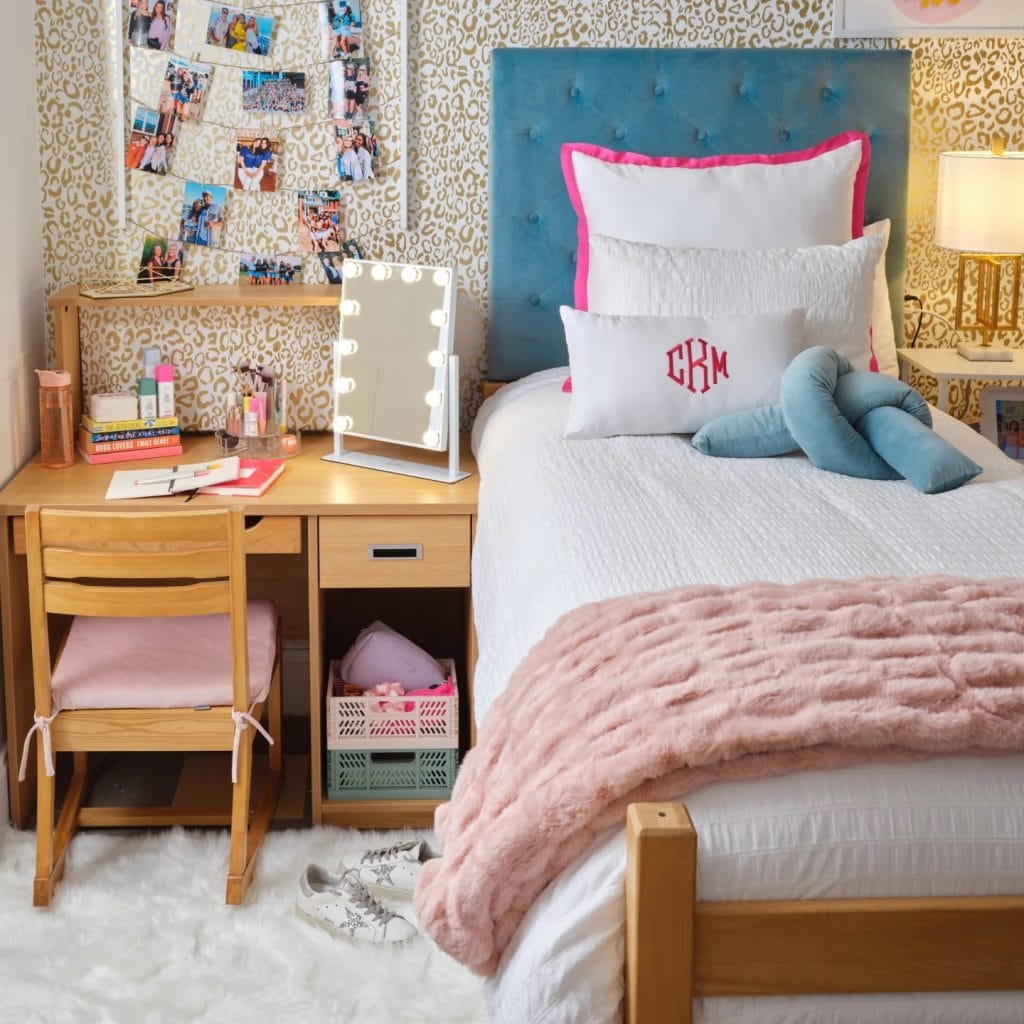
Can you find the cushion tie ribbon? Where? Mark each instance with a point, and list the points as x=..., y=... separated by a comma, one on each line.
x=41, y=725
x=243, y=719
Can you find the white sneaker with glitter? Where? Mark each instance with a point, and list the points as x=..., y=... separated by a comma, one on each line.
x=390, y=870
x=342, y=905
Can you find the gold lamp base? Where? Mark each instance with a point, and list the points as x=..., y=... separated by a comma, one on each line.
x=989, y=279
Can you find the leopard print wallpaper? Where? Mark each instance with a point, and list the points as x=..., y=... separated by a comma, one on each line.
x=964, y=89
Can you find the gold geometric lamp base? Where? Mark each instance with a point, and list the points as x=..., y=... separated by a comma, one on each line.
x=988, y=273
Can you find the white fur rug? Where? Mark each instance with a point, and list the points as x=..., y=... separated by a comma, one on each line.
x=138, y=931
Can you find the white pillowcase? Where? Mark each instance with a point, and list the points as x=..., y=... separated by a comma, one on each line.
x=671, y=375
x=883, y=336
x=736, y=201
x=834, y=283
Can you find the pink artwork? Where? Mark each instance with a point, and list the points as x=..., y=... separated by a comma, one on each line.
x=936, y=12
x=928, y=17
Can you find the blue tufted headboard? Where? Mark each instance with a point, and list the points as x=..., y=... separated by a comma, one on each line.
x=680, y=102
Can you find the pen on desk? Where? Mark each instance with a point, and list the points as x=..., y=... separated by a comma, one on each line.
x=174, y=477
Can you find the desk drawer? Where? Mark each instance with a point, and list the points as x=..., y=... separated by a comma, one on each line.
x=269, y=535
x=394, y=551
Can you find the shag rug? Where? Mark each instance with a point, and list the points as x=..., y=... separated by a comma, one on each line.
x=138, y=931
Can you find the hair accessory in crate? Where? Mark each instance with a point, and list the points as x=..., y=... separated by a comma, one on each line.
x=380, y=654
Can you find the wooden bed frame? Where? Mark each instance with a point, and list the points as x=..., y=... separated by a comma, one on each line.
x=678, y=947
x=763, y=101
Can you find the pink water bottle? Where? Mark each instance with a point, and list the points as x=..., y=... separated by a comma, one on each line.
x=56, y=431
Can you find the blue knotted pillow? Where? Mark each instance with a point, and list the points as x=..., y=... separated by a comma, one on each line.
x=847, y=421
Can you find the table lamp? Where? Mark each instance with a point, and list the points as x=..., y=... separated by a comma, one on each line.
x=980, y=212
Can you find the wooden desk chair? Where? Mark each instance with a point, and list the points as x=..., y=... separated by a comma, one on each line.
x=163, y=653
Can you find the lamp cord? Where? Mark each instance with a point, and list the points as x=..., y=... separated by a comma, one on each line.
x=921, y=312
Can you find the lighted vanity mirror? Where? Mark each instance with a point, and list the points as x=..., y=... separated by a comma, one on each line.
x=395, y=378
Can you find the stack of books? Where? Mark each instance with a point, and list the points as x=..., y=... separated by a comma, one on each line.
x=123, y=440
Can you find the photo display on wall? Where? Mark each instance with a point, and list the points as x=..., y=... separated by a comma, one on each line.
x=194, y=50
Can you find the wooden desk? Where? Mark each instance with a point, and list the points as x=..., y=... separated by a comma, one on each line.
x=326, y=511
x=68, y=303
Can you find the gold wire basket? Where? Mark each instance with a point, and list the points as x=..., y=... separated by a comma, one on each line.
x=124, y=288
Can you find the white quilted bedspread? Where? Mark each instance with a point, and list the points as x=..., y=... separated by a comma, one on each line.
x=566, y=522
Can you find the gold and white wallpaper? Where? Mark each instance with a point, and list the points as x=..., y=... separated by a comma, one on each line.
x=964, y=89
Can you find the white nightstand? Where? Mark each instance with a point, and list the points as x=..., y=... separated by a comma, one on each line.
x=945, y=365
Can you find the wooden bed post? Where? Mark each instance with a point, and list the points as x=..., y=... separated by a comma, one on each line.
x=661, y=892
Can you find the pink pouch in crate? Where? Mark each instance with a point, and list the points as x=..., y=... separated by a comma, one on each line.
x=382, y=655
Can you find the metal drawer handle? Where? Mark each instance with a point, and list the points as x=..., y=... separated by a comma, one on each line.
x=395, y=552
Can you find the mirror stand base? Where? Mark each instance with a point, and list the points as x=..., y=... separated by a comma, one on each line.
x=440, y=474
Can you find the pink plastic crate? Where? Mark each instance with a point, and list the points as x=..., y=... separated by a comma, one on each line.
x=383, y=723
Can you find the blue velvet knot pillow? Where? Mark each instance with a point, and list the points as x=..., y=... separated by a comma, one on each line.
x=847, y=421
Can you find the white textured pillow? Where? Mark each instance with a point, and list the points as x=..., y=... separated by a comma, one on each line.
x=733, y=201
x=883, y=337
x=834, y=283
x=671, y=375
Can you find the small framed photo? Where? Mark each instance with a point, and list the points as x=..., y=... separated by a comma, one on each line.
x=161, y=260
x=241, y=31
x=274, y=92
x=202, y=214
x=341, y=28
x=1002, y=419
x=267, y=271
x=150, y=23
x=319, y=221
x=256, y=161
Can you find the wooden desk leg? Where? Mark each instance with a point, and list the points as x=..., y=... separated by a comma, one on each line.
x=17, y=662
x=68, y=352
x=471, y=654
x=316, y=671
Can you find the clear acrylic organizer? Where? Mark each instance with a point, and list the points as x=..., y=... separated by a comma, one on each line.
x=253, y=427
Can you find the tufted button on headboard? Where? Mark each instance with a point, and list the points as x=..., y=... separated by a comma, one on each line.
x=663, y=102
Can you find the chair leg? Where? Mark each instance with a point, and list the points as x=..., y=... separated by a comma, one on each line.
x=239, y=858
x=274, y=719
x=52, y=844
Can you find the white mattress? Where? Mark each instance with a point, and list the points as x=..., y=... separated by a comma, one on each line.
x=566, y=522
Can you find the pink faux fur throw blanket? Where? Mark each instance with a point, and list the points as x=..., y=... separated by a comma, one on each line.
x=652, y=696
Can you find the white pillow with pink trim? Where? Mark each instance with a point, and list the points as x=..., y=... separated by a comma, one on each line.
x=671, y=375
x=745, y=201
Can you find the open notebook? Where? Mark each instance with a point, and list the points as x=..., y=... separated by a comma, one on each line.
x=155, y=483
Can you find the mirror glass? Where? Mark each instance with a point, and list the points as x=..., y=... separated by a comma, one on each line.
x=390, y=360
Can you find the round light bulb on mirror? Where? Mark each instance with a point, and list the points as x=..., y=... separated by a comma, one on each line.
x=441, y=278
x=437, y=358
x=432, y=438
x=434, y=398
x=342, y=423
x=350, y=268
x=410, y=275
x=380, y=272
x=439, y=318
x=344, y=385
x=349, y=307
x=347, y=347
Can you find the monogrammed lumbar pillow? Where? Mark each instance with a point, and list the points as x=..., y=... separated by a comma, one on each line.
x=671, y=375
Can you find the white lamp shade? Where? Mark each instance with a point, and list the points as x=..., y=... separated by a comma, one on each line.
x=980, y=205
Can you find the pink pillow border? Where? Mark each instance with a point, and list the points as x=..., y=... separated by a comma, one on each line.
x=860, y=183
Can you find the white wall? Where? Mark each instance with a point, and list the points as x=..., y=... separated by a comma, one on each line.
x=22, y=326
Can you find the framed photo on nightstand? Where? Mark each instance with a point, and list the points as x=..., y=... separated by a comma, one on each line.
x=1002, y=419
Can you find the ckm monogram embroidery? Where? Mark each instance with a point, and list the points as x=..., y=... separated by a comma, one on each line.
x=696, y=365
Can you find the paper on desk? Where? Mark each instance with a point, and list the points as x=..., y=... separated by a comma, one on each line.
x=155, y=483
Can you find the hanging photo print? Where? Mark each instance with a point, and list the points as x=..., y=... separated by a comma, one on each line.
x=269, y=270
x=182, y=92
x=319, y=221
x=274, y=92
x=256, y=161
x=238, y=30
x=148, y=148
x=332, y=261
x=202, y=214
x=341, y=28
x=349, y=91
x=150, y=23
x=161, y=260
x=356, y=151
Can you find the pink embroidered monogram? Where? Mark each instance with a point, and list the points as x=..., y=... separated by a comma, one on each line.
x=689, y=370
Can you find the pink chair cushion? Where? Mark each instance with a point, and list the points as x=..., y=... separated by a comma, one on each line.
x=179, y=662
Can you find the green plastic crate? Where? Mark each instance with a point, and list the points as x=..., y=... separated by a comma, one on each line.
x=391, y=774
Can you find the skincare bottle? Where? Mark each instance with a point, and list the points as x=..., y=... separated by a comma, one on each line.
x=150, y=360
x=165, y=390
x=147, y=398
